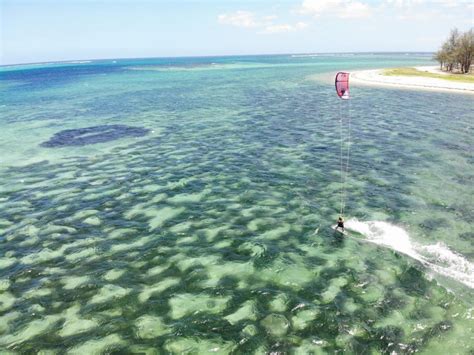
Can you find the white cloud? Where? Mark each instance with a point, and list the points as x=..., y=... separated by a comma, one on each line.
x=428, y=10
x=247, y=19
x=301, y=25
x=452, y=3
x=416, y=16
x=403, y=3
x=269, y=18
x=271, y=29
x=278, y=29
x=244, y=19
x=356, y=10
x=337, y=8
x=431, y=3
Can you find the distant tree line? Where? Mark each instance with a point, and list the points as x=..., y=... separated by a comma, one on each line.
x=457, y=52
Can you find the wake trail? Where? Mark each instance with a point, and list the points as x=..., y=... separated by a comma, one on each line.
x=437, y=257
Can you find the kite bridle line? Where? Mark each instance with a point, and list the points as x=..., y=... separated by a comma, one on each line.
x=343, y=93
x=344, y=170
x=347, y=159
x=340, y=159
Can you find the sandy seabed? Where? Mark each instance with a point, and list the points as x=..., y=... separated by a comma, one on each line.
x=376, y=78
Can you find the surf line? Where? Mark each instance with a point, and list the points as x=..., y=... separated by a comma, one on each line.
x=437, y=257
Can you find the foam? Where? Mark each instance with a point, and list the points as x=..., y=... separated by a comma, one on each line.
x=437, y=258
x=78, y=62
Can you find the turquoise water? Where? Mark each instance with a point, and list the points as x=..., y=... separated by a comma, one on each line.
x=210, y=232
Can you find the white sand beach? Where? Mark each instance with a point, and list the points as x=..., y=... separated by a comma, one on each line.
x=376, y=78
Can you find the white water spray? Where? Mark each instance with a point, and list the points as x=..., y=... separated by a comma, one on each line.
x=437, y=257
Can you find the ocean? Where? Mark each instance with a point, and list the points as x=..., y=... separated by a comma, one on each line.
x=184, y=205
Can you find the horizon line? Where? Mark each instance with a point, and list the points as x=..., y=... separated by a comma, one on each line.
x=65, y=61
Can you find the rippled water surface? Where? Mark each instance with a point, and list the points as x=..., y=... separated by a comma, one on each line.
x=187, y=209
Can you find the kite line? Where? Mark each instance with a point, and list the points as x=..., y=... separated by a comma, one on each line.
x=342, y=90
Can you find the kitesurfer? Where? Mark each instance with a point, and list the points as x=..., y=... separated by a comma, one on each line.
x=340, y=224
x=342, y=90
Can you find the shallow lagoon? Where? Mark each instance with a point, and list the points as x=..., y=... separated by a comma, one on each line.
x=211, y=233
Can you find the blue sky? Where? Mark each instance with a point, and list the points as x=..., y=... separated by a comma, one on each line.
x=53, y=30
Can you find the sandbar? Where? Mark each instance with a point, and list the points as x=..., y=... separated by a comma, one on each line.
x=375, y=77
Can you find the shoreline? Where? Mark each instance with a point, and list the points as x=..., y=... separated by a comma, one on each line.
x=374, y=77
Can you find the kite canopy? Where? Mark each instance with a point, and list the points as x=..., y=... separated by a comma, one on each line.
x=342, y=85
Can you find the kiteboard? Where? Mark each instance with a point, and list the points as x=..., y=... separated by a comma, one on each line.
x=338, y=230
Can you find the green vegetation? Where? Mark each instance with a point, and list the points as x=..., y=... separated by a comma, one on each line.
x=466, y=78
x=457, y=52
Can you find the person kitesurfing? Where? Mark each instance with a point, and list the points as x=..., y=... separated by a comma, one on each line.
x=342, y=90
x=340, y=224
